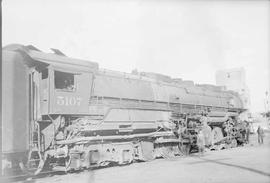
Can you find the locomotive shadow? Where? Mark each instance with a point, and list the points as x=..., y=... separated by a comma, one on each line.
x=205, y=160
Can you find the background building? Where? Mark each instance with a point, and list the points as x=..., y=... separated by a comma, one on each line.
x=234, y=79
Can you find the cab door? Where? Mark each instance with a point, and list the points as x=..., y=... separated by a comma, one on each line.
x=70, y=91
x=44, y=91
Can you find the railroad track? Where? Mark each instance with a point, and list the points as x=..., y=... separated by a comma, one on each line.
x=24, y=177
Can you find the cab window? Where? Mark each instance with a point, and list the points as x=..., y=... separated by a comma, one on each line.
x=64, y=81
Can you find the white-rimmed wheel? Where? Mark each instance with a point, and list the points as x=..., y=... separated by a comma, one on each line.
x=216, y=135
x=234, y=143
x=185, y=149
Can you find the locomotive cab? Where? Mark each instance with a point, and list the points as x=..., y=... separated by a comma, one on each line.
x=64, y=92
x=47, y=86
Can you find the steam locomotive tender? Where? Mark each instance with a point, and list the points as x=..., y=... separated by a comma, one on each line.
x=67, y=114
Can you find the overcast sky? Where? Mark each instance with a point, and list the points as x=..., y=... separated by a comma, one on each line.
x=184, y=39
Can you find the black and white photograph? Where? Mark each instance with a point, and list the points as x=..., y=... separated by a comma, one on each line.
x=135, y=91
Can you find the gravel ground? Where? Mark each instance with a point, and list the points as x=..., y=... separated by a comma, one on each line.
x=250, y=163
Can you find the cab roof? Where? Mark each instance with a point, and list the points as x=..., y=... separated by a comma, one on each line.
x=39, y=59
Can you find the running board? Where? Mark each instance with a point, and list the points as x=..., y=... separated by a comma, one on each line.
x=87, y=139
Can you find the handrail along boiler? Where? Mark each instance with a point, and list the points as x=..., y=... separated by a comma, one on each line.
x=65, y=113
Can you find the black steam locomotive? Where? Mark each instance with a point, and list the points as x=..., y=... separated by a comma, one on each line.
x=68, y=114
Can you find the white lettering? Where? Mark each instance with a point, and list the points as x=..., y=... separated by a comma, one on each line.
x=72, y=101
x=68, y=101
x=60, y=100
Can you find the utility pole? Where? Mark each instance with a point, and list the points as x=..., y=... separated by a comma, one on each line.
x=266, y=102
x=1, y=87
x=266, y=107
